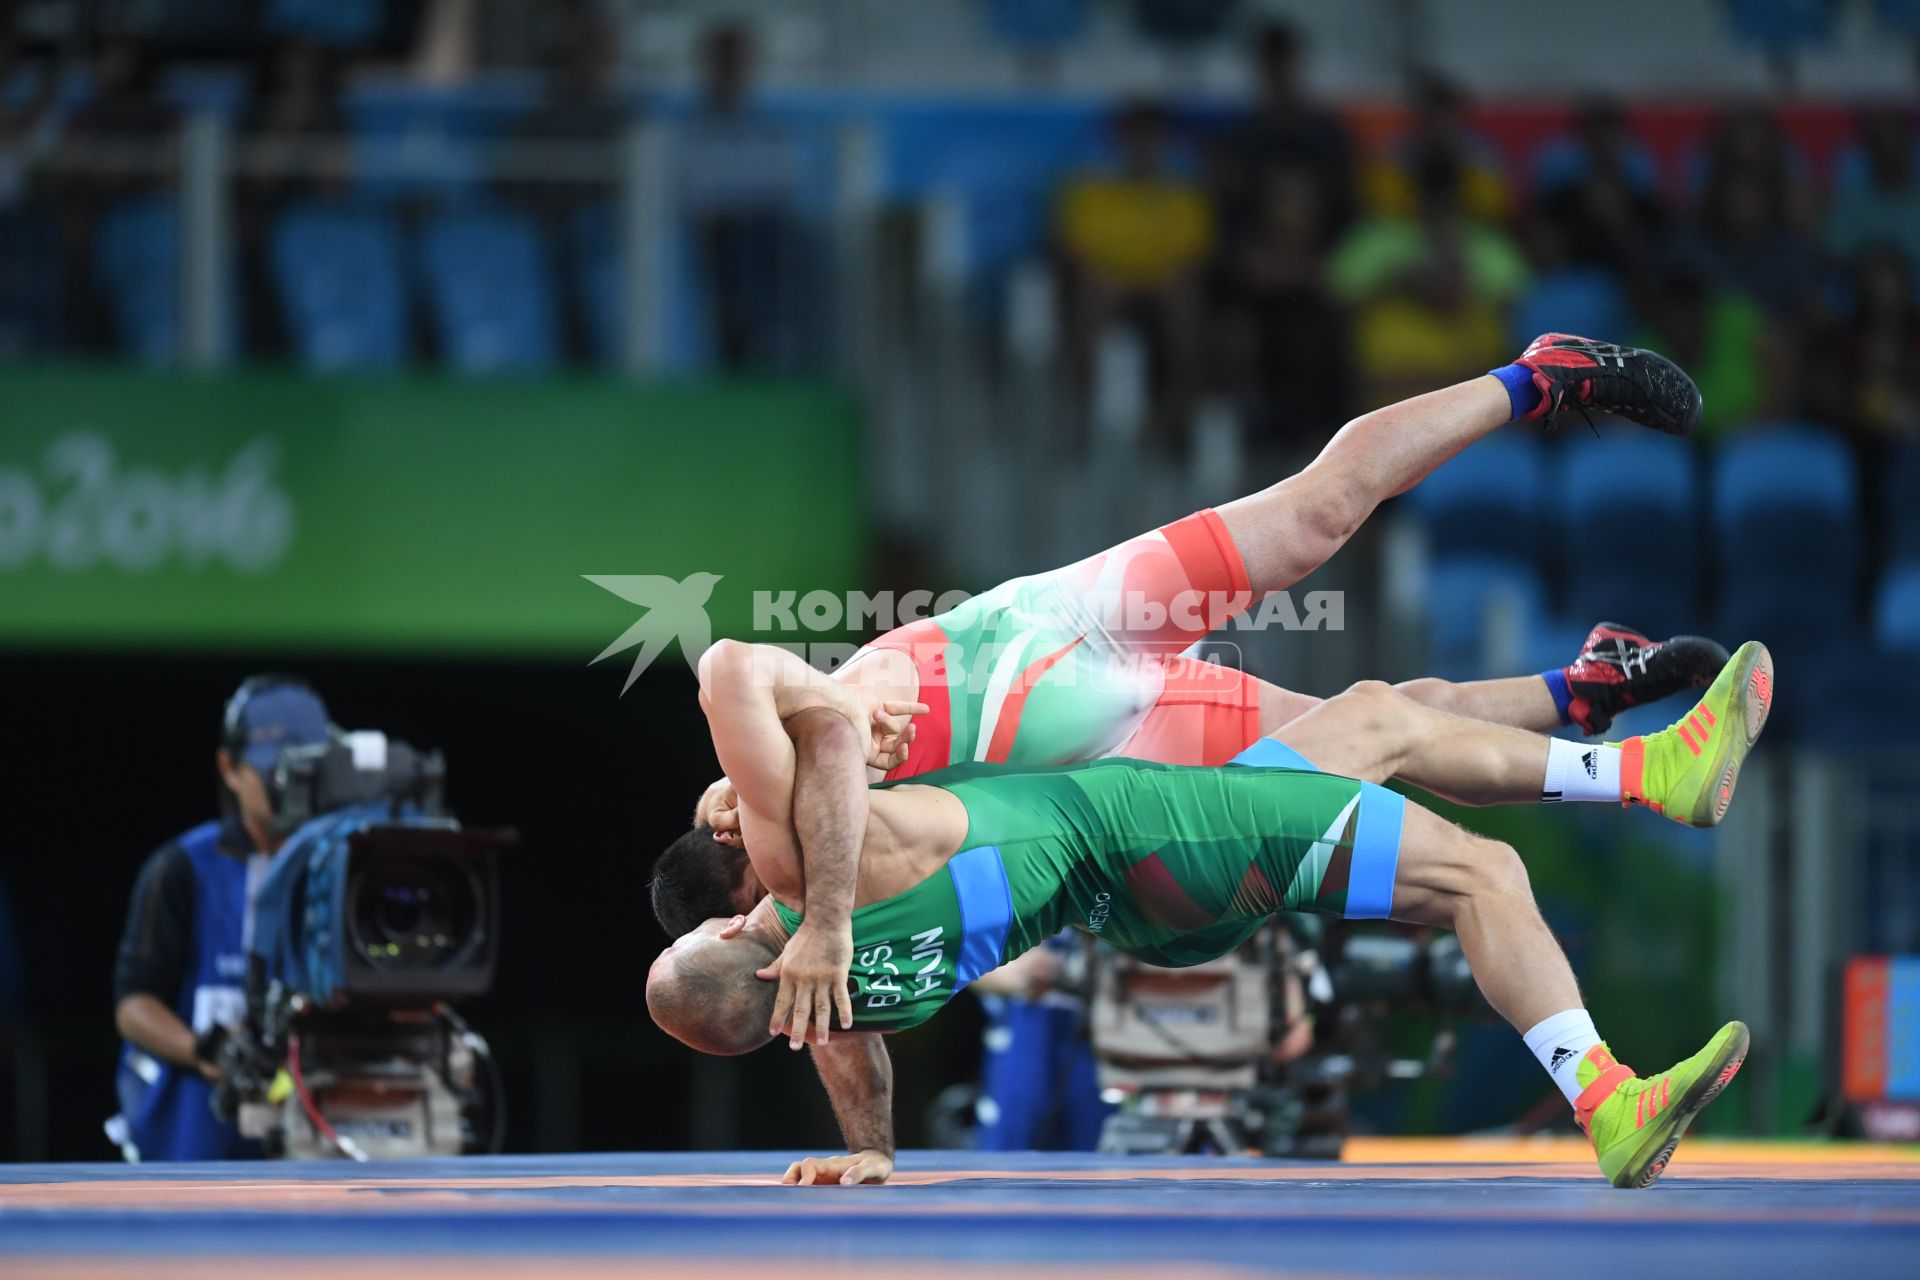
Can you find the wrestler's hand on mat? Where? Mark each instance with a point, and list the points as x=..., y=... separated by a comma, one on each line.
x=863, y=1166
x=812, y=971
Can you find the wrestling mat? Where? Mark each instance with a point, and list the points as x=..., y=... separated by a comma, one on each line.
x=1425, y=1207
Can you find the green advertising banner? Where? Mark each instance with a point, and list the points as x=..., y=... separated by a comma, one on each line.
x=270, y=511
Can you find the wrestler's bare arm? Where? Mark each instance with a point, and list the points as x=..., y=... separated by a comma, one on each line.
x=830, y=821
x=748, y=692
x=858, y=1076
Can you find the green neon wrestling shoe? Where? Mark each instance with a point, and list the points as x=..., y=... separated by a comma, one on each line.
x=1636, y=1121
x=1687, y=770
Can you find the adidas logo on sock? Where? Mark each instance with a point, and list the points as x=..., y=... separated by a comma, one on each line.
x=1561, y=1057
x=1592, y=761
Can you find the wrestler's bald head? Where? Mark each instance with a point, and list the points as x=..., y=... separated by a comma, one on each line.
x=702, y=990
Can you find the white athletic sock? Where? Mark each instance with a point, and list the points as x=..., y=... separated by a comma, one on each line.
x=1576, y=771
x=1560, y=1042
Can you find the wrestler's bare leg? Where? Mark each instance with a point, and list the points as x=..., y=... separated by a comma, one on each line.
x=1288, y=530
x=1521, y=702
x=1374, y=732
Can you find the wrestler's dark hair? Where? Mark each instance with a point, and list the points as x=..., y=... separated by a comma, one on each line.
x=712, y=1001
x=694, y=881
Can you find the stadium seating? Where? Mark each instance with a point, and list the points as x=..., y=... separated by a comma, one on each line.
x=1487, y=500
x=490, y=292
x=137, y=267
x=1037, y=26
x=1900, y=501
x=31, y=301
x=341, y=22
x=1469, y=595
x=1575, y=299
x=1787, y=528
x=1781, y=25
x=1629, y=530
x=341, y=280
x=1896, y=620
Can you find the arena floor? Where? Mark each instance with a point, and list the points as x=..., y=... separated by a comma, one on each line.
x=1392, y=1207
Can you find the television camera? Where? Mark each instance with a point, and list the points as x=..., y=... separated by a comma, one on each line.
x=1262, y=1049
x=377, y=911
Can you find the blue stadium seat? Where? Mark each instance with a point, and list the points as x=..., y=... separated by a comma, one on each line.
x=1901, y=16
x=595, y=278
x=1563, y=161
x=490, y=292
x=1464, y=593
x=1781, y=25
x=1037, y=26
x=136, y=266
x=1853, y=698
x=1487, y=500
x=32, y=304
x=342, y=282
x=1900, y=501
x=1786, y=522
x=1789, y=467
x=341, y=22
x=1896, y=617
x=1628, y=502
x=1576, y=299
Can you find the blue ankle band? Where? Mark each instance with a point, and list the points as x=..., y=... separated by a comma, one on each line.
x=1522, y=395
x=1562, y=695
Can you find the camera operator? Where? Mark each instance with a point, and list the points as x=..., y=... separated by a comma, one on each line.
x=179, y=979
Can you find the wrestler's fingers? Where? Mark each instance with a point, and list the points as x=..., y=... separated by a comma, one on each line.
x=782, y=1007
x=822, y=1013
x=802, y=1010
x=859, y=1171
x=843, y=1001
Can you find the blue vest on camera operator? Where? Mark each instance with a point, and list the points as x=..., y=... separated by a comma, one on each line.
x=165, y=1109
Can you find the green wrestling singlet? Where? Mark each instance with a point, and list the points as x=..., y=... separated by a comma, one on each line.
x=1171, y=864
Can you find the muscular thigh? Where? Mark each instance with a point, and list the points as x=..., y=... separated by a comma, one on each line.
x=1439, y=862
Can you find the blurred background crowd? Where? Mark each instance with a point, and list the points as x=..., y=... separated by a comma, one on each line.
x=1065, y=269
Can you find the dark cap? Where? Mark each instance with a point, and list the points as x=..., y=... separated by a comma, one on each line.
x=270, y=712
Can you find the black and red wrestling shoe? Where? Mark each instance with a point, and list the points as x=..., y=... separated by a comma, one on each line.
x=1620, y=668
x=1599, y=377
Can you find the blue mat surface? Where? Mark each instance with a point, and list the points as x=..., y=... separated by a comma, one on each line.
x=720, y=1214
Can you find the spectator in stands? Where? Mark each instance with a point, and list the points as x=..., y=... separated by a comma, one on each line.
x=1883, y=206
x=582, y=103
x=1867, y=367
x=740, y=186
x=1135, y=241
x=1441, y=133
x=1430, y=291
x=1749, y=242
x=1602, y=205
x=297, y=126
x=1284, y=336
x=1286, y=129
x=1720, y=337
